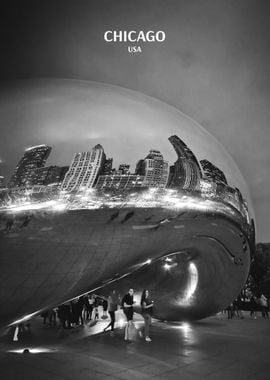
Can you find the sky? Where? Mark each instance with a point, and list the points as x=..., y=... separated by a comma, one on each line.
x=214, y=66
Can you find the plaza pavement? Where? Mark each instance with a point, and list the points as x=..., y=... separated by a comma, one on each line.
x=213, y=348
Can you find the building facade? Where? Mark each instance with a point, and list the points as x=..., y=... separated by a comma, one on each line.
x=2, y=182
x=50, y=175
x=210, y=171
x=84, y=169
x=154, y=170
x=107, y=169
x=124, y=168
x=186, y=172
x=33, y=158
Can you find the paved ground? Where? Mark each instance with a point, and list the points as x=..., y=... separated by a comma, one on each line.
x=214, y=348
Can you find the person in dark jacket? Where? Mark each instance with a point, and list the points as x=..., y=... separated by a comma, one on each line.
x=127, y=304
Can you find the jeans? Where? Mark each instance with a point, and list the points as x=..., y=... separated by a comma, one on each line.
x=147, y=323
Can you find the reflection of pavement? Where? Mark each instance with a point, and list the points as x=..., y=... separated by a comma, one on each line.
x=214, y=348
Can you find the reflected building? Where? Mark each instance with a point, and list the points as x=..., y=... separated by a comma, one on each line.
x=212, y=172
x=2, y=182
x=154, y=170
x=208, y=188
x=84, y=169
x=124, y=168
x=50, y=175
x=229, y=195
x=186, y=172
x=107, y=168
x=33, y=158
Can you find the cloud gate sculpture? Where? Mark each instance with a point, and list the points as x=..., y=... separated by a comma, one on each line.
x=160, y=206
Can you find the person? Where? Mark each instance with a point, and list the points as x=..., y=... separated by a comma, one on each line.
x=52, y=317
x=253, y=307
x=127, y=304
x=147, y=311
x=230, y=311
x=105, y=308
x=79, y=310
x=45, y=315
x=236, y=311
x=86, y=305
x=96, y=304
x=263, y=305
x=112, y=307
x=91, y=301
x=64, y=315
x=9, y=224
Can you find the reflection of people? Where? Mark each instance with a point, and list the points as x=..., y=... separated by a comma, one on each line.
x=253, y=306
x=105, y=308
x=96, y=307
x=127, y=303
x=26, y=221
x=112, y=307
x=9, y=224
x=263, y=303
x=91, y=301
x=147, y=310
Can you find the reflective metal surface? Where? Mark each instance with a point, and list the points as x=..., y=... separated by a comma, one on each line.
x=177, y=227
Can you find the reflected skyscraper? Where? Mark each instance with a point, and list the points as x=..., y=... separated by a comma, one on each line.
x=50, y=175
x=186, y=172
x=84, y=169
x=124, y=168
x=154, y=169
x=2, y=182
x=211, y=171
x=33, y=158
x=107, y=168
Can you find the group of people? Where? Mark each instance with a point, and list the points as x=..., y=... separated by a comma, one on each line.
x=259, y=304
x=75, y=312
x=256, y=304
x=85, y=308
x=127, y=306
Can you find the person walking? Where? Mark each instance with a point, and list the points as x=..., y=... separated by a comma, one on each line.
x=263, y=304
x=147, y=311
x=96, y=305
x=127, y=304
x=112, y=307
x=91, y=301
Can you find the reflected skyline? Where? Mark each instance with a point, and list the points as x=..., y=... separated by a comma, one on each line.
x=72, y=116
x=31, y=169
x=91, y=182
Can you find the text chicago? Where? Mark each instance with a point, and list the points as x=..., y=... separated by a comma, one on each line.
x=134, y=36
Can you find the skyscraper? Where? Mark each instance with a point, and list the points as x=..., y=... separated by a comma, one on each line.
x=50, y=175
x=210, y=171
x=186, y=173
x=154, y=169
x=140, y=167
x=2, y=182
x=107, y=169
x=124, y=168
x=33, y=158
x=84, y=169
